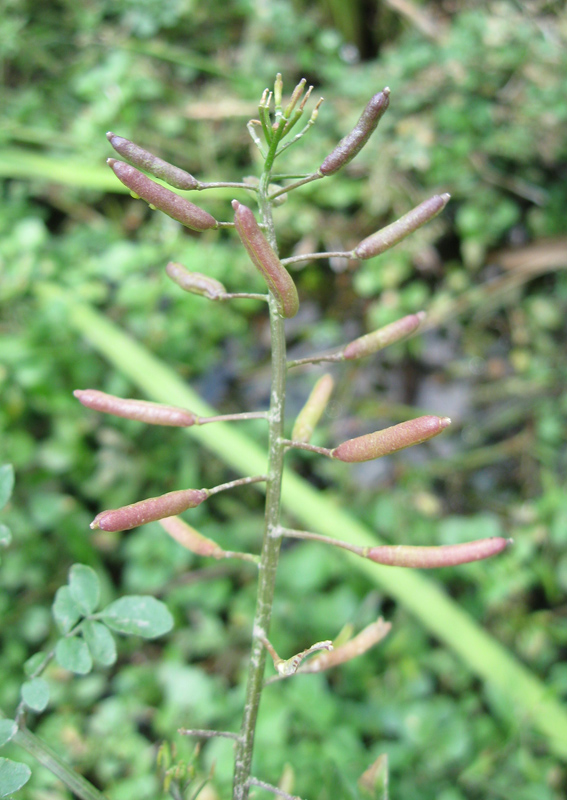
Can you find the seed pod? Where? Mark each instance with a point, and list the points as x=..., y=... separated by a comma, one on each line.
x=350, y=649
x=150, y=510
x=191, y=539
x=353, y=143
x=377, y=340
x=260, y=251
x=444, y=556
x=194, y=282
x=390, y=440
x=382, y=240
x=140, y=410
x=172, y=204
x=138, y=157
x=311, y=412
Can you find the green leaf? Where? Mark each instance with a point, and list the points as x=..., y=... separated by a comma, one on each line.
x=84, y=587
x=6, y=483
x=35, y=694
x=101, y=642
x=5, y=535
x=139, y=615
x=34, y=663
x=8, y=729
x=74, y=655
x=66, y=612
x=13, y=775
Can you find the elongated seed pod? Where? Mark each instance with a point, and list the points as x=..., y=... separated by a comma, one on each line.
x=138, y=157
x=350, y=649
x=377, y=340
x=191, y=539
x=194, y=282
x=311, y=412
x=263, y=257
x=390, y=440
x=150, y=510
x=392, y=234
x=444, y=556
x=353, y=142
x=140, y=410
x=172, y=204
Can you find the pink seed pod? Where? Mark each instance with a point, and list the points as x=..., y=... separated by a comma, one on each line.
x=138, y=157
x=350, y=649
x=313, y=409
x=194, y=282
x=172, y=204
x=392, y=234
x=390, y=440
x=377, y=340
x=191, y=539
x=150, y=510
x=443, y=556
x=140, y=410
x=353, y=143
x=263, y=257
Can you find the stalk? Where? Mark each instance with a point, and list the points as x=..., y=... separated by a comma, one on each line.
x=270, y=545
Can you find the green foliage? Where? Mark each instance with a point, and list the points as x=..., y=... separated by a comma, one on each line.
x=13, y=775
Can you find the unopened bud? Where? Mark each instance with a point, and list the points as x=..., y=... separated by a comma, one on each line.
x=150, y=510
x=353, y=143
x=194, y=282
x=390, y=440
x=377, y=340
x=264, y=258
x=172, y=204
x=444, y=556
x=389, y=236
x=140, y=410
x=138, y=157
x=313, y=409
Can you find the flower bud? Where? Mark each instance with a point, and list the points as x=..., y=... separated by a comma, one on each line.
x=443, y=556
x=157, y=167
x=172, y=204
x=311, y=412
x=140, y=410
x=260, y=251
x=194, y=282
x=377, y=340
x=353, y=143
x=390, y=440
x=383, y=239
x=150, y=510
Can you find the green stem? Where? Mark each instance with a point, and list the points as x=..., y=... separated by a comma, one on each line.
x=270, y=546
x=45, y=755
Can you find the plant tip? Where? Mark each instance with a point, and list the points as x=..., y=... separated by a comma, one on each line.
x=386, y=90
x=235, y=204
x=110, y=135
x=421, y=315
x=444, y=422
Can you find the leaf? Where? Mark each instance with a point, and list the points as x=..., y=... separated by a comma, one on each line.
x=66, y=612
x=34, y=663
x=84, y=587
x=100, y=642
x=6, y=483
x=5, y=535
x=35, y=694
x=13, y=775
x=8, y=729
x=138, y=615
x=74, y=655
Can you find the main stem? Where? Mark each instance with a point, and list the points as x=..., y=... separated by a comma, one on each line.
x=271, y=545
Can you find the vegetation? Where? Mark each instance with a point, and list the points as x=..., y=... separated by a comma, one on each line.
x=478, y=112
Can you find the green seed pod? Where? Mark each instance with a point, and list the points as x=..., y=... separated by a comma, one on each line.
x=431, y=557
x=390, y=440
x=377, y=340
x=382, y=240
x=157, y=167
x=263, y=257
x=172, y=204
x=140, y=410
x=311, y=412
x=353, y=143
x=194, y=282
x=150, y=510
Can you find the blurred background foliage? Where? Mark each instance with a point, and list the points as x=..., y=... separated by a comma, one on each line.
x=477, y=109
